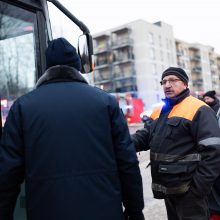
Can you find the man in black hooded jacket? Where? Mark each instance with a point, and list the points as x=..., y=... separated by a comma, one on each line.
x=71, y=144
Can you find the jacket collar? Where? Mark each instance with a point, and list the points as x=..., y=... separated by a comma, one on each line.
x=170, y=102
x=60, y=73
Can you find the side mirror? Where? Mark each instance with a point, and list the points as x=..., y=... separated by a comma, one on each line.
x=85, y=51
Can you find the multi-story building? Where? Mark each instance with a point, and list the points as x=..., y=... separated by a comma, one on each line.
x=131, y=57
x=215, y=78
x=183, y=57
x=201, y=64
x=218, y=65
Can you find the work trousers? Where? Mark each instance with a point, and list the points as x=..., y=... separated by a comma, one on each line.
x=187, y=207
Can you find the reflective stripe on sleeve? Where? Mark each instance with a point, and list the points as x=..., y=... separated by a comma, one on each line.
x=210, y=141
x=173, y=158
x=170, y=190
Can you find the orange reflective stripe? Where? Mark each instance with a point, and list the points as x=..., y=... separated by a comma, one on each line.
x=187, y=108
x=156, y=113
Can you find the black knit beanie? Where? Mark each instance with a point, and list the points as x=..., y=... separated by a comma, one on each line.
x=180, y=73
x=61, y=52
x=210, y=94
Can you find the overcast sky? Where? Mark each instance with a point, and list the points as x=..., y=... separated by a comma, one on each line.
x=192, y=20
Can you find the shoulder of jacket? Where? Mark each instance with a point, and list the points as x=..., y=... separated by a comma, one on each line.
x=195, y=101
x=187, y=108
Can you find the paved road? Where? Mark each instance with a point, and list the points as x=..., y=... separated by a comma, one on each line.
x=154, y=208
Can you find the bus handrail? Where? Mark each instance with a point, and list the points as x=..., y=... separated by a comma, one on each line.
x=79, y=23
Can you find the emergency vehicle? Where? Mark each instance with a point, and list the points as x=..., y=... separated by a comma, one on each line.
x=25, y=31
x=131, y=107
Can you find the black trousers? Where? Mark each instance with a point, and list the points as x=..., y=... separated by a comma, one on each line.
x=187, y=207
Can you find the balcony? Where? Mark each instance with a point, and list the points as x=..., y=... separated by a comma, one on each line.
x=104, y=81
x=181, y=64
x=212, y=62
x=195, y=58
x=121, y=30
x=104, y=76
x=198, y=82
x=179, y=52
x=122, y=61
x=102, y=66
x=107, y=86
x=124, y=76
x=101, y=37
x=131, y=89
x=125, y=82
x=126, y=42
x=197, y=69
x=102, y=49
x=102, y=62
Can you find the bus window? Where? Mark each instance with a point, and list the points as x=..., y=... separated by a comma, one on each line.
x=17, y=54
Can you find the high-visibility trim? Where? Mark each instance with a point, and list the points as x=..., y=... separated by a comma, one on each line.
x=170, y=190
x=156, y=112
x=210, y=141
x=172, y=158
x=185, y=109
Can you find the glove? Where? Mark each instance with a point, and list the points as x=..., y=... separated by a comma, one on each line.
x=147, y=122
x=136, y=216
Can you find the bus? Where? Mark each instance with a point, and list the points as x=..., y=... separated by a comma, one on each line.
x=25, y=30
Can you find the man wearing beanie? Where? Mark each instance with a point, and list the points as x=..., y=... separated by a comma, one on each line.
x=70, y=143
x=184, y=142
x=210, y=99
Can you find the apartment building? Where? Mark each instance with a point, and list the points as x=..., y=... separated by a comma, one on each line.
x=131, y=57
x=218, y=65
x=201, y=64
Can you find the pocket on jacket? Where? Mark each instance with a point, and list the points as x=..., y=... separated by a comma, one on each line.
x=174, y=130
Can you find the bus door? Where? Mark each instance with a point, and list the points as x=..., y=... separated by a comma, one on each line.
x=18, y=69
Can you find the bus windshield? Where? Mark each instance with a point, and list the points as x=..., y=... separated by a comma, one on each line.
x=17, y=54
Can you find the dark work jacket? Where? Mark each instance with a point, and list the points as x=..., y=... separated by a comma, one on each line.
x=214, y=197
x=71, y=144
x=215, y=105
x=184, y=139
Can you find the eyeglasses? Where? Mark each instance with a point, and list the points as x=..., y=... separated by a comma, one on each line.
x=171, y=81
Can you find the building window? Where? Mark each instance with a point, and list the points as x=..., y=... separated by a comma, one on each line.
x=161, y=55
x=167, y=42
x=171, y=45
x=151, y=38
x=156, y=84
x=160, y=41
x=154, y=68
x=152, y=53
x=168, y=58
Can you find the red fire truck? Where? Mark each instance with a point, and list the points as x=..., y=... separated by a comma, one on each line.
x=131, y=107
